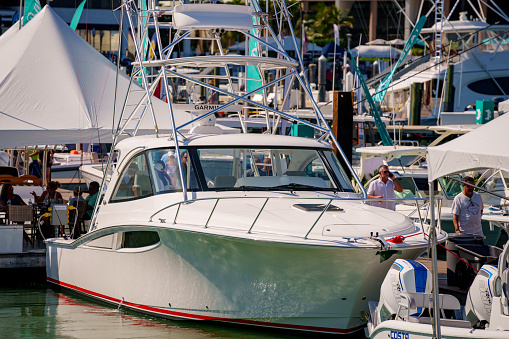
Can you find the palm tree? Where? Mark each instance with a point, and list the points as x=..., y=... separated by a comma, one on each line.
x=321, y=25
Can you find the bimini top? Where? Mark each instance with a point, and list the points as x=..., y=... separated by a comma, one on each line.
x=221, y=140
x=220, y=60
x=212, y=16
x=464, y=25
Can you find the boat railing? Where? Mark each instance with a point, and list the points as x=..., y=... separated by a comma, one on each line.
x=425, y=208
x=320, y=208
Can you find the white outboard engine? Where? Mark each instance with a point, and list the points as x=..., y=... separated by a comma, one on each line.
x=480, y=296
x=404, y=276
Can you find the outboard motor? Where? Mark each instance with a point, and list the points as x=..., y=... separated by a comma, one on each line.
x=403, y=276
x=480, y=296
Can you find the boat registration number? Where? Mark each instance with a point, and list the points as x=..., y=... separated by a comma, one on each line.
x=399, y=335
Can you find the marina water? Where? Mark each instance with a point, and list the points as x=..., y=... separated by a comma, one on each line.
x=34, y=310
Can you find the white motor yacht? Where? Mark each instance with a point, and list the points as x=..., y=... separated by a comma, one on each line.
x=297, y=249
x=477, y=50
x=253, y=229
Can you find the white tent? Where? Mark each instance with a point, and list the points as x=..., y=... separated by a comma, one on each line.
x=484, y=147
x=374, y=51
x=55, y=88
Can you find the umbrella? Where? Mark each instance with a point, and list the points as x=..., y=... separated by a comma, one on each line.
x=397, y=42
x=384, y=52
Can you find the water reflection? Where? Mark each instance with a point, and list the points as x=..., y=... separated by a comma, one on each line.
x=40, y=312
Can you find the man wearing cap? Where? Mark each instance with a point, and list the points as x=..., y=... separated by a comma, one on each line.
x=467, y=209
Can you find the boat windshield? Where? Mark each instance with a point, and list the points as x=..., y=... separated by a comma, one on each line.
x=247, y=169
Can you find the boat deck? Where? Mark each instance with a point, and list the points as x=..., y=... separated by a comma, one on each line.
x=444, y=288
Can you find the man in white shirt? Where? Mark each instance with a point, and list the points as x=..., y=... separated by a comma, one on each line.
x=383, y=188
x=467, y=209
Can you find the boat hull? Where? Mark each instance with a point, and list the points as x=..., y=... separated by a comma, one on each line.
x=210, y=277
x=405, y=330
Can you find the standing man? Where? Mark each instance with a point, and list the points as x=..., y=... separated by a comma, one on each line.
x=467, y=209
x=383, y=188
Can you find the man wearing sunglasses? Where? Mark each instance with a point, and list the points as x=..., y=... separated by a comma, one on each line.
x=383, y=188
x=467, y=209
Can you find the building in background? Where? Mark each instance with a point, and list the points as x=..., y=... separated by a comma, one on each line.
x=99, y=23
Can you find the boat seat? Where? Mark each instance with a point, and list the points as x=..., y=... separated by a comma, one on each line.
x=412, y=301
x=142, y=180
x=221, y=181
x=422, y=300
x=443, y=322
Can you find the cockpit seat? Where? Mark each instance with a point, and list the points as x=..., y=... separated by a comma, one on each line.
x=222, y=181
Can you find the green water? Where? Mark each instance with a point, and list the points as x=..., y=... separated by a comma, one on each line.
x=34, y=310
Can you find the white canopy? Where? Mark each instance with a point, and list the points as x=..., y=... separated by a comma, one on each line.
x=55, y=88
x=375, y=51
x=484, y=147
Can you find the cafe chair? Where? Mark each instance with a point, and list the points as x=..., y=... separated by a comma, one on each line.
x=77, y=226
x=22, y=214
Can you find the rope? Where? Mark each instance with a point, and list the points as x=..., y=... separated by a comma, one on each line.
x=399, y=239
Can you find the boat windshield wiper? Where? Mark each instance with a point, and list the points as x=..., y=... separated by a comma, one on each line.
x=293, y=185
x=244, y=188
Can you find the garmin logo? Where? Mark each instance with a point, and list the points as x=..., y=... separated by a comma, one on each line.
x=206, y=107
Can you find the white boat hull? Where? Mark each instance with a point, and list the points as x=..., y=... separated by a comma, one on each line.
x=203, y=276
x=395, y=329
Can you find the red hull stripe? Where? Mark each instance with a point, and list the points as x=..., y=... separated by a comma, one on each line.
x=202, y=317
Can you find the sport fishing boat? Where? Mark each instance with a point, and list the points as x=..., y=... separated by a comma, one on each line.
x=254, y=229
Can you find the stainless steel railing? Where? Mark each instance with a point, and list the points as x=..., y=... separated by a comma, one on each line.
x=419, y=203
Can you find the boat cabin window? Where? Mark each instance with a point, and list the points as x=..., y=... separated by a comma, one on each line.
x=165, y=171
x=489, y=87
x=104, y=241
x=136, y=239
x=134, y=182
x=287, y=169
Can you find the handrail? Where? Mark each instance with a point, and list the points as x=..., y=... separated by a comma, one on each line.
x=322, y=211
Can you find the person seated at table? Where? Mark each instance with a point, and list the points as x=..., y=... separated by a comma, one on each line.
x=77, y=192
x=51, y=194
x=93, y=194
x=7, y=195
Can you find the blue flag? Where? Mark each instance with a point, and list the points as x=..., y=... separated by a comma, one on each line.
x=32, y=7
x=386, y=139
x=77, y=15
x=384, y=84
